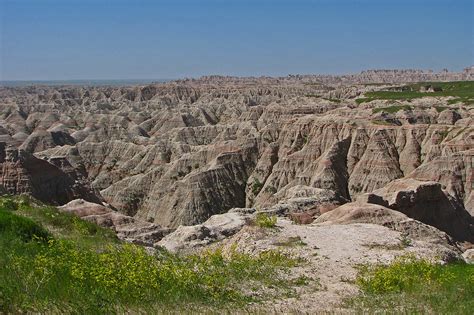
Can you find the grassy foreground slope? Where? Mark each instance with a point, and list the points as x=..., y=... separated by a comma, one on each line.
x=54, y=262
x=51, y=262
x=416, y=286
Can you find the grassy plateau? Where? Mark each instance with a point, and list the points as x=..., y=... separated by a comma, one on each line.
x=462, y=91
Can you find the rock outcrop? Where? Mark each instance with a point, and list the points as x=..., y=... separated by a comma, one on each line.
x=360, y=212
x=216, y=228
x=468, y=256
x=126, y=227
x=428, y=203
x=21, y=172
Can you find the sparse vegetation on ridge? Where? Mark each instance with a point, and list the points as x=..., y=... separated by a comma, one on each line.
x=52, y=270
x=391, y=109
x=335, y=100
x=291, y=242
x=443, y=134
x=439, y=109
x=256, y=186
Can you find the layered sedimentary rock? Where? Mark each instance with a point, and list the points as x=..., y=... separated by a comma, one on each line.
x=427, y=202
x=126, y=227
x=56, y=182
x=177, y=153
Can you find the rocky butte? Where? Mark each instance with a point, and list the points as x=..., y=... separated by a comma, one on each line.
x=360, y=161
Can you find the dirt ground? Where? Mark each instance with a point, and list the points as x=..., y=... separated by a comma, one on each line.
x=331, y=254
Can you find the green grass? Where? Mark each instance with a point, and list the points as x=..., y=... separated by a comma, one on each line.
x=21, y=228
x=410, y=285
x=463, y=91
x=363, y=100
x=264, y=220
x=64, y=225
x=439, y=109
x=391, y=109
x=465, y=99
x=51, y=269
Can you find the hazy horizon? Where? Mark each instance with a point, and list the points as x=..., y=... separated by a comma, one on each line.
x=88, y=40
x=119, y=81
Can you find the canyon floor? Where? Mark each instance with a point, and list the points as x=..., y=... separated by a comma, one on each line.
x=339, y=171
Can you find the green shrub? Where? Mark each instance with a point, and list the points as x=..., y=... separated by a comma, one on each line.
x=270, y=189
x=257, y=186
x=405, y=241
x=264, y=220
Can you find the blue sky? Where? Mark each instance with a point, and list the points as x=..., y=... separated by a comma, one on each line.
x=137, y=39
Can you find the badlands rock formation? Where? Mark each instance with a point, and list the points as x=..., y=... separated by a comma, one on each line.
x=174, y=154
x=126, y=227
x=55, y=182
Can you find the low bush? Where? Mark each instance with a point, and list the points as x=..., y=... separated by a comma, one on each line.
x=264, y=220
x=256, y=187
